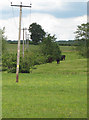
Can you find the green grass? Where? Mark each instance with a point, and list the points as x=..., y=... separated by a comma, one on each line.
x=12, y=48
x=50, y=91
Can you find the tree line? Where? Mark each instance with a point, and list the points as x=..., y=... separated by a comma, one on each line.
x=61, y=42
x=48, y=48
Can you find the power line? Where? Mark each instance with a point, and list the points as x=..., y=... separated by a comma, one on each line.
x=13, y=15
x=9, y=1
x=14, y=18
x=29, y=16
x=22, y=20
x=30, y=13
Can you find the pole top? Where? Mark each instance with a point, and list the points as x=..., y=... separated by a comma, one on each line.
x=21, y=5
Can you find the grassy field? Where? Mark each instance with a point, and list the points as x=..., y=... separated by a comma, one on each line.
x=49, y=91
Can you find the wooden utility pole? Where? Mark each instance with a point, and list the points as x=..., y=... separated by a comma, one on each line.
x=18, y=49
x=24, y=39
x=23, y=42
x=26, y=36
x=28, y=41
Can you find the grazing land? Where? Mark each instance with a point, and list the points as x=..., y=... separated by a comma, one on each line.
x=50, y=91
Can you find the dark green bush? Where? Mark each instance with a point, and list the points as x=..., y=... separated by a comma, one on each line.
x=5, y=58
x=39, y=59
x=50, y=48
x=9, y=62
x=26, y=63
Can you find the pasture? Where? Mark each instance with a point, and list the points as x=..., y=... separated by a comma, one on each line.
x=50, y=91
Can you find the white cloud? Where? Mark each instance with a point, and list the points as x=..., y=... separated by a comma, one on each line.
x=11, y=29
x=47, y=5
x=63, y=28
x=76, y=0
x=38, y=4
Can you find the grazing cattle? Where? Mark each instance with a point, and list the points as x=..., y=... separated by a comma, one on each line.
x=50, y=59
x=63, y=57
x=58, y=61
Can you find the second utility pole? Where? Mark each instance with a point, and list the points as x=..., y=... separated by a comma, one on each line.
x=23, y=39
x=23, y=42
x=18, y=49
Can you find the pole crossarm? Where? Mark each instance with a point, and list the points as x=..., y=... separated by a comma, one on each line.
x=20, y=5
x=25, y=29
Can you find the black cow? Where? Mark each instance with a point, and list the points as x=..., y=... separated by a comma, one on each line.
x=63, y=57
x=58, y=60
x=49, y=60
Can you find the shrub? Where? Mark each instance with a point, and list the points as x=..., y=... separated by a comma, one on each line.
x=39, y=59
x=9, y=63
x=26, y=63
x=5, y=58
x=50, y=48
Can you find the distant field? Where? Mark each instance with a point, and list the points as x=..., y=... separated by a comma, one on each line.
x=12, y=48
x=49, y=91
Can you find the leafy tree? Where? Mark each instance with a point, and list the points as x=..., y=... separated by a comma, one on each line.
x=3, y=41
x=50, y=48
x=37, y=33
x=82, y=36
x=82, y=30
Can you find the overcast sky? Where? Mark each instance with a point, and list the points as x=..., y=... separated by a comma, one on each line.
x=59, y=17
